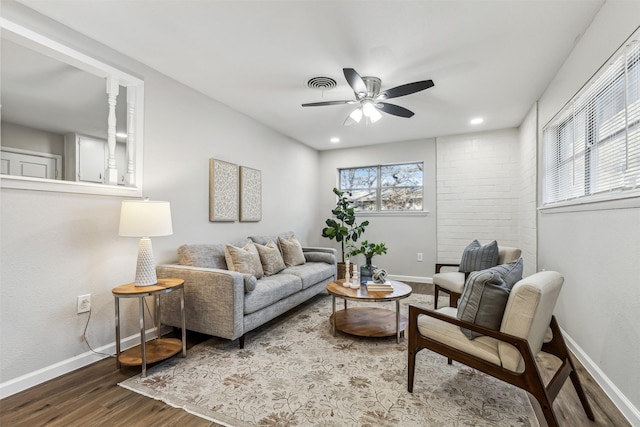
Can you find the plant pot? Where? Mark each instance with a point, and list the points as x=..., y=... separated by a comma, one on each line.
x=366, y=271
x=342, y=270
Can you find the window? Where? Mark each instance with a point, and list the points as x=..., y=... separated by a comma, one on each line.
x=386, y=188
x=592, y=146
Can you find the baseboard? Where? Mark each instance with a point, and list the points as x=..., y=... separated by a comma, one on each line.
x=628, y=410
x=415, y=279
x=47, y=373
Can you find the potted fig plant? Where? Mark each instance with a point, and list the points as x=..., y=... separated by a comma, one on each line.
x=369, y=250
x=343, y=226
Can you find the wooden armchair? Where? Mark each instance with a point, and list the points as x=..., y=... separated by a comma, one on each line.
x=452, y=282
x=507, y=354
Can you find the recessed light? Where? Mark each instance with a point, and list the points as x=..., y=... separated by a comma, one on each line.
x=334, y=140
x=476, y=121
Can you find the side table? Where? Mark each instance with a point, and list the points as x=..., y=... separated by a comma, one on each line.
x=159, y=348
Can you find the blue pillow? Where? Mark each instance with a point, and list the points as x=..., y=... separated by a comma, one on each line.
x=476, y=257
x=485, y=296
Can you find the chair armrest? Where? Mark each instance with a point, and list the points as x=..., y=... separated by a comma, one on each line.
x=415, y=311
x=439, y=266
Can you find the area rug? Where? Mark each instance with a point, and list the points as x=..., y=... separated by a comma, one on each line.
x=294, y=372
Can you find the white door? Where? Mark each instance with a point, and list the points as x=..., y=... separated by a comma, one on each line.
x=30, y=165
x=91, y=160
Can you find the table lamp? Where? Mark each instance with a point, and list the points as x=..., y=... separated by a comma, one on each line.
x=145, y=218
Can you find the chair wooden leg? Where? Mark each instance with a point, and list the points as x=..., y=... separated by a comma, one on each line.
x=411, y=368
x=436, y=292
x=558, y=348
x=453, y=299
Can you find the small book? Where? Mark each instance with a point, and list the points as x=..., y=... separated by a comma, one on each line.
x=379, y=287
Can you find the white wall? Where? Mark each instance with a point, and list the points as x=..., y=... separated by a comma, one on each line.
x=56, y=246
x=404, y=235
x=478, y=191
x=597, y=250
x=26, y=138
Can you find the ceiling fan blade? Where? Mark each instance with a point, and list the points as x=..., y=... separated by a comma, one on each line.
x=355, y=81
x=320, y=104
x=395, y=110
x=407, y=89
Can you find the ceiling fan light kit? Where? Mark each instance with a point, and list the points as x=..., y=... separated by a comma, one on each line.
x=367, y=93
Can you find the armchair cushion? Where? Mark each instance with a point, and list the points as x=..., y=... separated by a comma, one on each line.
x=485, y=296
x=483, y=347
x=450, y=280
x=478, y=257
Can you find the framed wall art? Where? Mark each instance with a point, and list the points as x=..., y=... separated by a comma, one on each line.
x=250, y=194
x=223, y=191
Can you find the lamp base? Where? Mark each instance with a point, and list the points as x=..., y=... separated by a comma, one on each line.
x=146, y=267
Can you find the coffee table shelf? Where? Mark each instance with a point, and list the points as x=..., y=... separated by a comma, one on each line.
x=368, y=321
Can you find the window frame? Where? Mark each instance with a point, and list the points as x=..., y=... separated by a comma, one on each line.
x=575, y=170
x=379, y=188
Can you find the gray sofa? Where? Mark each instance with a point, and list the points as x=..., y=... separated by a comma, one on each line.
x=228, y=304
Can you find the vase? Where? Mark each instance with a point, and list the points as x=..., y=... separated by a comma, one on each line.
x=366, y=271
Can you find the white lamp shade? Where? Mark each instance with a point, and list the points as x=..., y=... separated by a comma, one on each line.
x=144, y=218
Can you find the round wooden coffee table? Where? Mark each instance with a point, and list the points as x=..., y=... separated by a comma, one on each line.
x=368, y=321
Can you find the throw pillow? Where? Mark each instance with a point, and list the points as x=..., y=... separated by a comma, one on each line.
x=245, y=260
x=485, y=296
x=291, y=251
x=270, y=258
x=478, y=257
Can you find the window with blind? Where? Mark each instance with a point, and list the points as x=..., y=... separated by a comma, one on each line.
x=592, y=146
x=384, y=188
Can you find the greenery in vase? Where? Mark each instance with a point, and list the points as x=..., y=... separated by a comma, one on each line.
x=343, y=227
x=369, y=250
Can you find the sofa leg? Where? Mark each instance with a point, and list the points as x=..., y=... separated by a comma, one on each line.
x=241, y=341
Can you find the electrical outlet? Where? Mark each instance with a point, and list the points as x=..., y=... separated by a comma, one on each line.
x=84, y=303
x=419, y=256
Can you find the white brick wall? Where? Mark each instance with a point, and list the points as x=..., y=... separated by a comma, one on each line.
x=527, y=207
x=478, y=191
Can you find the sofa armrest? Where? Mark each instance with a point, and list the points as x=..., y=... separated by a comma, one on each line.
x=214, y=300
x=327, y=255
x=439, y=266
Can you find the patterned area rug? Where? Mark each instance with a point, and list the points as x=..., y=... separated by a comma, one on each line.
x=294, y=372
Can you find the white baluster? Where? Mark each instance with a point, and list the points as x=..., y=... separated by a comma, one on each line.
x=112, y=92
x=131, y=137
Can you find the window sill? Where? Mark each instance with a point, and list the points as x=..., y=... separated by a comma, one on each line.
x=629, y=199
x=59, y=186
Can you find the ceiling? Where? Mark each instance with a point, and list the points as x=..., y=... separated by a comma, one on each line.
x=489, y=59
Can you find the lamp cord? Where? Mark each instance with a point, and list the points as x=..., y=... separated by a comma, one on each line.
x=86, y=326
x=86, y=341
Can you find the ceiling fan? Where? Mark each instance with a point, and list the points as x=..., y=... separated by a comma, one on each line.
x=368, y=95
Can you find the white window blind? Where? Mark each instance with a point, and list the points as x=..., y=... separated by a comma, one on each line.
x=592, y=146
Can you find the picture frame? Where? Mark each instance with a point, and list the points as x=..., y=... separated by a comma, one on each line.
x=223, y=191
x=250, y=194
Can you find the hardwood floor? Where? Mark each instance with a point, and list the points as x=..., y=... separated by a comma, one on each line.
x=91, y=397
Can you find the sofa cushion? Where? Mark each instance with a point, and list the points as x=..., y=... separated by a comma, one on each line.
x=244, y=260
x=263, y=239
x=250, y=282
x=478, y=257
x=291, y=251
x=270, y=257
x=485, y=295
x=271, y=289
x=312, y=273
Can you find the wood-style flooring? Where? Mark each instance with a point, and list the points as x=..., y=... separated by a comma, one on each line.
x=91, y=397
